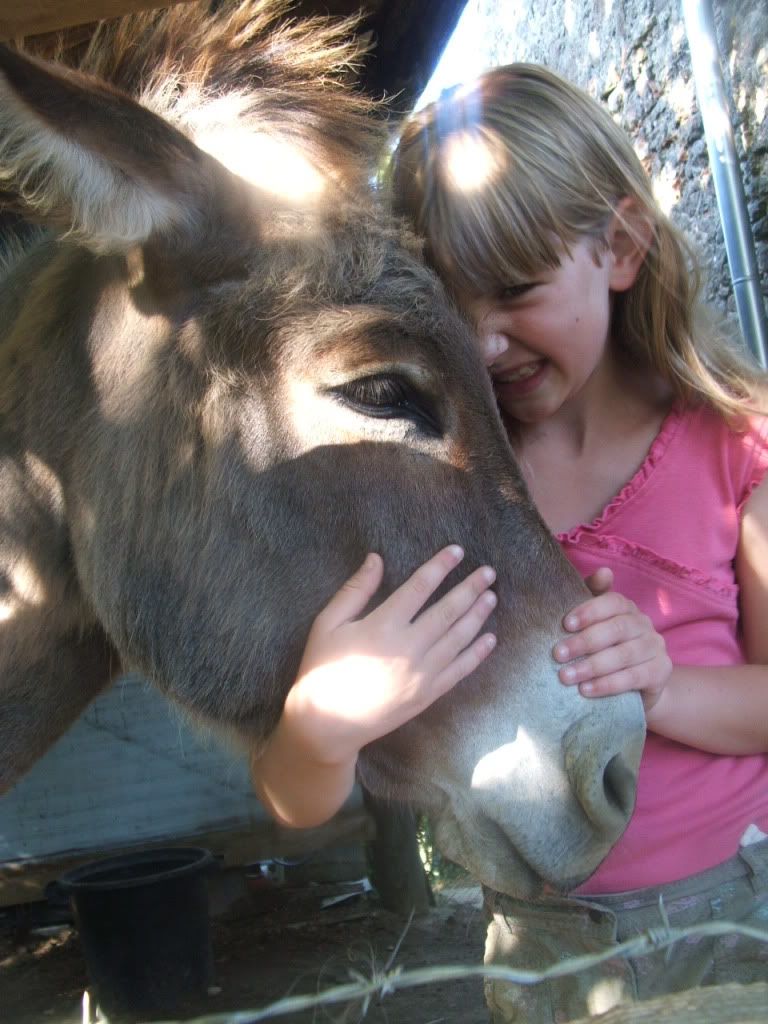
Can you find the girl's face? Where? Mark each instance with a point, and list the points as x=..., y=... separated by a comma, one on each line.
x=556, y=330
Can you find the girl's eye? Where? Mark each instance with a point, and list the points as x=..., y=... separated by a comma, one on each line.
x=389, y=397
x=515, y=291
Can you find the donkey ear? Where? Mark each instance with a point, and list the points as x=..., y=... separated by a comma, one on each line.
x=77, y=154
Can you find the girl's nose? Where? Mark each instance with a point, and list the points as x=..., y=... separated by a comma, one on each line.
x=492, y=345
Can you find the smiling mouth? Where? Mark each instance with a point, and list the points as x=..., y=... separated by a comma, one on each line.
x=520, y=382
x=521, y=373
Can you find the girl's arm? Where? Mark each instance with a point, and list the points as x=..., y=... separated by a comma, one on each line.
x=361, y=678
x=721, y=709
x=725, y=710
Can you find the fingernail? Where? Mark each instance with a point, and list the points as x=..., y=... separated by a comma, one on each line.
x=370, y=561
x=489, y=598
x=456, y=552
x=571, y=622
x=568, y=675
x=490, y=641
x=587, y=688
x=561, y=652
x=488, y=574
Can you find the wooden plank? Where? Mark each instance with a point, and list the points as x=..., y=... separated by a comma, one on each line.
x=129, y=773
x=732, y=1003
x=33, y=17
x=25, y=881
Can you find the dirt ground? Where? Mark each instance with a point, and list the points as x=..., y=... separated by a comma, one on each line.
x=269, y=945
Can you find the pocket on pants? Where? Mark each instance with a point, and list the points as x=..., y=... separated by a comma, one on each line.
x=533, y=937
x=739, y=958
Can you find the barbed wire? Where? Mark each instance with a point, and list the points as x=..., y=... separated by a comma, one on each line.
x=389, y=980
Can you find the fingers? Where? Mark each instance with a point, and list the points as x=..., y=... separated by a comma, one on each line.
x=601, y=581
x=466, y=605
x=647, y=677
x=620, y=653
x=404, y=603
x=354, y=595
x=450, y=643
x=617, y=629
x=597, y=609
x=632, y=659
x=459, y=668
x=613, y=647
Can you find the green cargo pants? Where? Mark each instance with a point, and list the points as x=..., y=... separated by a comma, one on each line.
x=535, y=935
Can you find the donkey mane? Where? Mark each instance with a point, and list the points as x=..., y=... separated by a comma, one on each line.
x=289, y=76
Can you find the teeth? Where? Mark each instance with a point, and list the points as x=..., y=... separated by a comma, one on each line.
x=523, y=373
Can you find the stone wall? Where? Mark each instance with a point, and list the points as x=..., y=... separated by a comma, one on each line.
x=633, y=56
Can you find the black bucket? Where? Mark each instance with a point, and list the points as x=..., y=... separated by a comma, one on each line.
x=144, y=927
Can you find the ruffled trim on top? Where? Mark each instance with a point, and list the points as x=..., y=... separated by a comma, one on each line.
x=659, y=446
x=618, y=547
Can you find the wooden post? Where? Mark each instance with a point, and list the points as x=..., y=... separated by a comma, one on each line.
x=396, y=868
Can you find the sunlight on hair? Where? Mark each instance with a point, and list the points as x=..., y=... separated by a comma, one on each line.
x=500, y=763
x=7, y=610
x=274, y=165
x=469, y=163
x=27, y=582
x=27, y=588
x=223, y=127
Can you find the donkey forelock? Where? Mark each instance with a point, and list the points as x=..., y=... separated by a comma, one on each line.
x=247, y=70
x=269, y=98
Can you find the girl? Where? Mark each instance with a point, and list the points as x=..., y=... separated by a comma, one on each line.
x=640, y=434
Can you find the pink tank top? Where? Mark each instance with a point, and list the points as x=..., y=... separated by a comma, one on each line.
x=670, y=537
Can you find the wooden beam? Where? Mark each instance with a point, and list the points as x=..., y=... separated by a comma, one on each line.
x=25, y=881
x=33, y=17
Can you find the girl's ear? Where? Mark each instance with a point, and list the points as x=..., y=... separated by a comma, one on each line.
x=629, y=236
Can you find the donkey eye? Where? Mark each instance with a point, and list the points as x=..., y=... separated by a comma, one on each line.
x=391, y=398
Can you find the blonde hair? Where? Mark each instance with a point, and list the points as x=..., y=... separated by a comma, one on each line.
x=499, y=176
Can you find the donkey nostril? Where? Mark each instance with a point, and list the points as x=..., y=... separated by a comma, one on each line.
x=602, y=766
x=619, y=785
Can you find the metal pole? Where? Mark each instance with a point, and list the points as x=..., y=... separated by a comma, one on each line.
x=739, y=245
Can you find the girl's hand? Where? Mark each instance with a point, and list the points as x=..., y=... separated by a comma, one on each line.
x=360, y=678
x=617, y=647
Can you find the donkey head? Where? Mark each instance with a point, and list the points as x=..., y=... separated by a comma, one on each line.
x=218, y=397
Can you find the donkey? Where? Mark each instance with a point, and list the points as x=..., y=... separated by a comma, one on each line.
x=226, y=374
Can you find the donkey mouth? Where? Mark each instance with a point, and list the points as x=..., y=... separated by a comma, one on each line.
x=488, y=853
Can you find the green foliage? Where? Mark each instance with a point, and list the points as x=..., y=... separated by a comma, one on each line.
x=440, y=871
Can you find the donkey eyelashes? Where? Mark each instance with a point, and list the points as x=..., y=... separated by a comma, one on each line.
x=387, y=397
